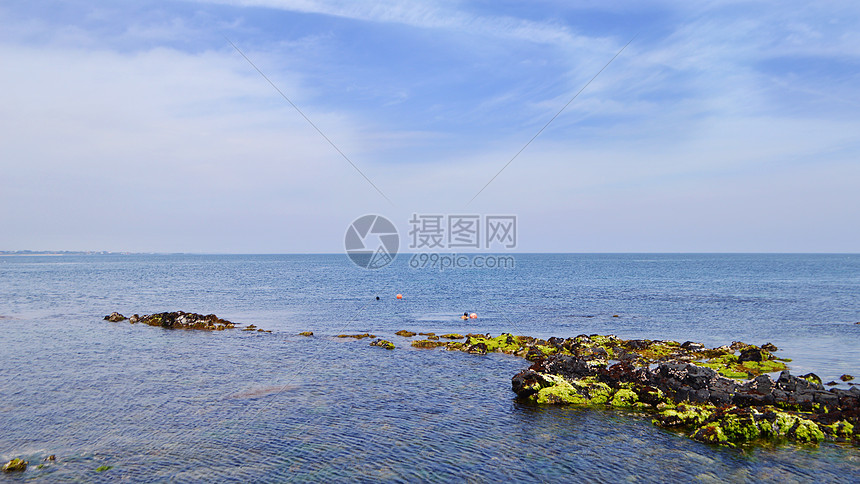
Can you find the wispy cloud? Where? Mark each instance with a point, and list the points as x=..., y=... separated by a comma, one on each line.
x=139, y=119
x=443, y=15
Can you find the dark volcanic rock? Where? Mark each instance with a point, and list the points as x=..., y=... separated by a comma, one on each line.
x=183, y=320
x=753, y=353
x=177, y=320
x=800, y=408
x=382, y=343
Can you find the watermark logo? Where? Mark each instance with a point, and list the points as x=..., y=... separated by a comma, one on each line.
x=372, y=241
x=432, y=234
x=429, y=232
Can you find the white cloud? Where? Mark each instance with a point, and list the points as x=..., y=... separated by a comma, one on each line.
x=112, y=140
x=164, y=141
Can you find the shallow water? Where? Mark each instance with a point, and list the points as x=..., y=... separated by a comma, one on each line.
x=187, y=406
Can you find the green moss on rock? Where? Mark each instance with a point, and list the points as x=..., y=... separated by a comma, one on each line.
x=357, y=336
x=685, y=416
x=383, y=344
x=626, y=398
x=843, y=429
x=426, y=343
x=560, y=391
x=711, y=433
x=15, y=465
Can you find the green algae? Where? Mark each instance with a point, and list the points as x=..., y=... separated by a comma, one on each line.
x=547, y=350
x=383, y=344
x=726, y=364
x=15, y=465
x=685, y=416
x=756, y=368
x=560, y=392
x=734, y=426
x=806, y=431
x=660, y=350
x=712, y=434
x=842, y=429
x=811, y=378
x=504, y=343
x=730, y=426
x=730, y=366
x=597, y=392
x=740, y=428
x=103, y=468
x=588, y=391
x=626, y=398
x=357, y=336
x=426, y=343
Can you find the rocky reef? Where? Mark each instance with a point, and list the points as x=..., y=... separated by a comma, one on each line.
x=178, y=320
x=722, y=395
x=713, y=395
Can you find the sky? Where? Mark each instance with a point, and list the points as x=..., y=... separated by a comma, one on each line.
x=722, y=126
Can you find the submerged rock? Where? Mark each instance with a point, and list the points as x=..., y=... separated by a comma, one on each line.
x=426, y=343
x=15, y=465
x=357, y=336
x=306, y=333
x=405, y=333
x=846, y=377
x=382, y=343
x=178, y=320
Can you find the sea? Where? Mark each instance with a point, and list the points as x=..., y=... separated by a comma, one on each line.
x=135, y=403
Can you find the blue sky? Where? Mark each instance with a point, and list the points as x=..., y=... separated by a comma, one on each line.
x=723, y=127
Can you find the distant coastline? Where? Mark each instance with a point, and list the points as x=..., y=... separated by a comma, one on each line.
x=56, y=253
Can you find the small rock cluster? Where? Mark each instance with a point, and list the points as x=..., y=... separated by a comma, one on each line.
x=181, y=320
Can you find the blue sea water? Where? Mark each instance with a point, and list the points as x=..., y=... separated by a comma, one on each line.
x=160, y=405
